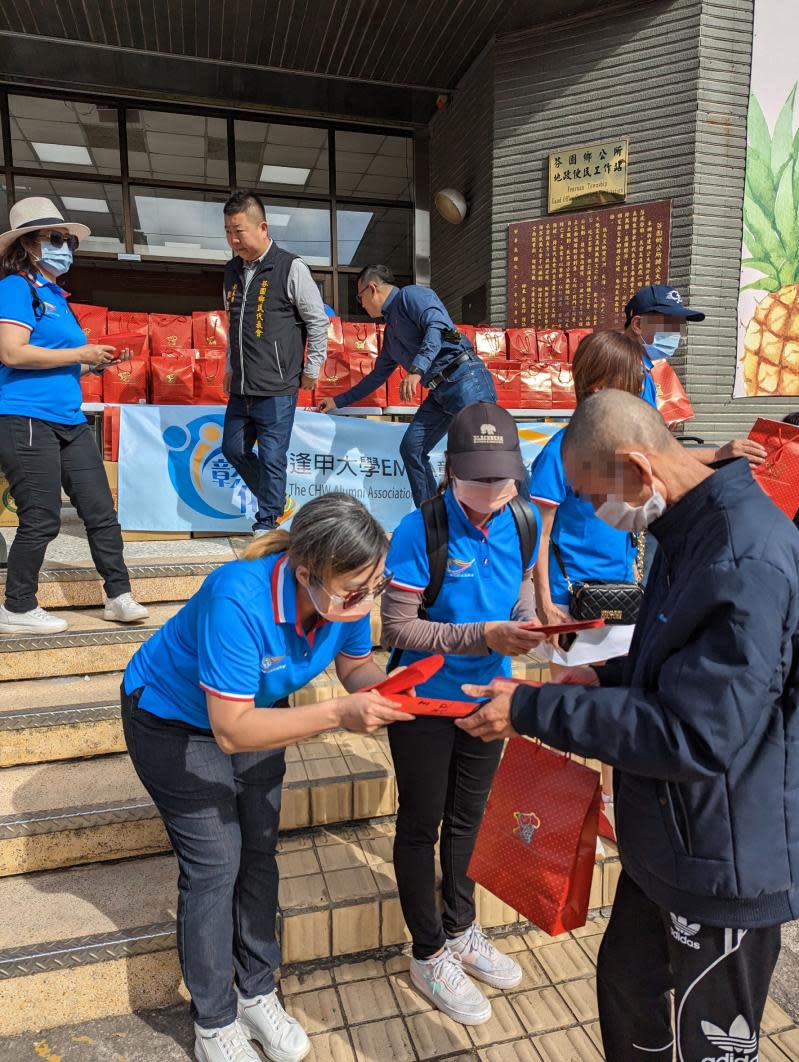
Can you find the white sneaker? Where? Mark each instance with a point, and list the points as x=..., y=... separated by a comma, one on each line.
x=281, y=1036
x=228, y=1044
x=37, y=621
x=447, y=987
x=124, y=609
x=484, y=961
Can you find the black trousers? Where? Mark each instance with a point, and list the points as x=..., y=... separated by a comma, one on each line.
x=222, y=814
x=720, y=979
x=38, y=458
x=443, y=779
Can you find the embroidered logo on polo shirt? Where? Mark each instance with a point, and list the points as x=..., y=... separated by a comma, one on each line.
x=272, y=663
x=488, y=434
x=459, y=568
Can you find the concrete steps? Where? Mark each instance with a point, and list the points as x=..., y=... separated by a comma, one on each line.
x=338, y=898
x=81, y=587
x=83, y=811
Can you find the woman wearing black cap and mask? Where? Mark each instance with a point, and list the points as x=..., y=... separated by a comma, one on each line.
x=444, y=775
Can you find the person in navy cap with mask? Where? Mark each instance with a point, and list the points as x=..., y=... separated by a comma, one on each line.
x=659, y=317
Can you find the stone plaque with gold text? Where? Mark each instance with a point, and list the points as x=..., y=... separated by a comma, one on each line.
x=579, y=270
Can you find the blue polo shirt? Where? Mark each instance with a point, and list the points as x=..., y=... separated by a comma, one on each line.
x=590, y=548
x=649, y=390
x=415, y=318
x=47, y=394
x=238, y=637
x=482, y=583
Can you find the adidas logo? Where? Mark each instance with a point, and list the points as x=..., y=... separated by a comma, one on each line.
x=738, y=1045
x=682, y=930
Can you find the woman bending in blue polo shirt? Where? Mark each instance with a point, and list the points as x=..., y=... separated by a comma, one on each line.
x=206, y=724
x=45, y=442
x=443, y=774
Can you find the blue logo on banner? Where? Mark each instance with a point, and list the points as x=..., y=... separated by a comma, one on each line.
x=201, y=476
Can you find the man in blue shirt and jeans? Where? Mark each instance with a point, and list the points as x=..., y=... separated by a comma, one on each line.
x=421, y=337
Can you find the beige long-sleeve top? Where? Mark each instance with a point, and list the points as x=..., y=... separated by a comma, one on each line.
x=403, y=628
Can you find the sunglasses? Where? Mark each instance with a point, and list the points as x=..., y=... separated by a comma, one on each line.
x=58, y=239
x=355, y=598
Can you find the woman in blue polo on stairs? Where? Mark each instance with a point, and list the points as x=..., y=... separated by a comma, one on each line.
x=444, y=775
x=206, y=723
x=45, y=442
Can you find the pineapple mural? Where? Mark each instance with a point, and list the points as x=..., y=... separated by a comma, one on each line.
x=770, y=357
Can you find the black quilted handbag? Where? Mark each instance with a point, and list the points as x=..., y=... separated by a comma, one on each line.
x=615, y=603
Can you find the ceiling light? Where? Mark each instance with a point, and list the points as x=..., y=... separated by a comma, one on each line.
x=88, y=206
x=284, y=174
x=69, y=154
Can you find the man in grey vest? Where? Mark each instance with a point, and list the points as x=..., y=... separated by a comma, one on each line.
x=274, y=305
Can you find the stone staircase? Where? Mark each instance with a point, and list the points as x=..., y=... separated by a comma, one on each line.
x=87, y=880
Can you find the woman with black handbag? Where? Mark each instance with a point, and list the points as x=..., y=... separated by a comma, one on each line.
x=587, y=569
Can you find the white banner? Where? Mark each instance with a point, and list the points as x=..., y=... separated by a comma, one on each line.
x=173, y=476
x=768, y=305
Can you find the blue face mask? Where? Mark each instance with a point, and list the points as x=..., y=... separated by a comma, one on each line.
x=666, y=343
x=57, y=259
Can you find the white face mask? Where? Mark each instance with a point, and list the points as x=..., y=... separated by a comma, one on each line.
x=625, y=517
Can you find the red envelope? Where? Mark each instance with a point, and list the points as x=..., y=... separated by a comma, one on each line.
x=434, y=706
x=564, y=628
x=413, y=675
x=135, y=342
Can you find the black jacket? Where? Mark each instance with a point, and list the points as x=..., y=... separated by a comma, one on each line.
x=701, y=720
x=267, y=334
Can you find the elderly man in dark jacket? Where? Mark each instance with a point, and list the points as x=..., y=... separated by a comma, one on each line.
x=701, y=723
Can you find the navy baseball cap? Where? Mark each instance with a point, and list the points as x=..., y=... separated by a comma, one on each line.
x=660, y=298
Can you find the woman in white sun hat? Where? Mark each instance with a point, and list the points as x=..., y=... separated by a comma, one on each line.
x=45, y=442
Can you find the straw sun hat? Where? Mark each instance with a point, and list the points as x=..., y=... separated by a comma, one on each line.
x=34, y=213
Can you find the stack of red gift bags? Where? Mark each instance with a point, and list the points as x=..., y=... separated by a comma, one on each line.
x=538, y=373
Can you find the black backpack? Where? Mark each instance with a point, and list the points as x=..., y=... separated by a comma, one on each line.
x=436, y=533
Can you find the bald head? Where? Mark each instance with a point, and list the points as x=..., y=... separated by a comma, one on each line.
x=618, y=446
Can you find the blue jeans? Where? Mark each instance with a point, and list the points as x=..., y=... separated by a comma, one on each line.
x=221, y=813
x=267, y=421
x=470, y=383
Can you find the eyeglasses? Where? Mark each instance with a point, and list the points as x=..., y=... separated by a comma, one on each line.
x=352, y=599
x=360, y=294
x=58, y=239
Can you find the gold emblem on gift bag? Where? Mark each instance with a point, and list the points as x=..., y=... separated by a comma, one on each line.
x=171, y=377
x=124, y=376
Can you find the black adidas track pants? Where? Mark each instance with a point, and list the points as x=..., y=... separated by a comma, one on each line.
x=720, y=979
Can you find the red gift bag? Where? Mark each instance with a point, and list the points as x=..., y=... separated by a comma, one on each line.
x=185, y=355
x=209, y=377
x=521, y=344
x=537, y=843
x=135, y=342
x=335, y=336
x=111, y=433
x=91, y=387
x=119, y=321
x=563, y=395
x=380, y=328
x=361, y=365
x=169, y=331
x=574, y=337
x=209, y=328
x=779, y=473
x=359, y=338
x=335, y=374
x=172, y=381
x=393, y=390
x=536, y=386
x=92, y=319
x=553, y=345
x=126, y=382
x=507, y=377
x=489, y=342
x=673, y=403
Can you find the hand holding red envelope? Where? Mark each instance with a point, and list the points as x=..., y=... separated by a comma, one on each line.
x=397, y=685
